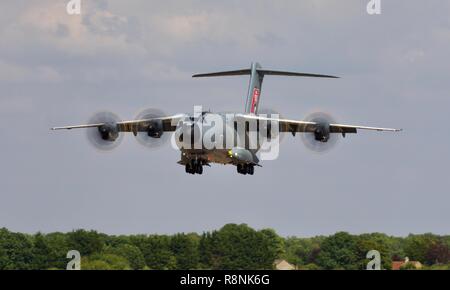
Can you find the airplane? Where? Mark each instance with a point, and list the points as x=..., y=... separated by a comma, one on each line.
x=150, y=128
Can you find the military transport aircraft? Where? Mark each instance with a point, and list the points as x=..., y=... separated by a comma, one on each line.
x=151, y=127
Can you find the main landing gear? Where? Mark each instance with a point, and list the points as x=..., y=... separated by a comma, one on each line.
x=194, y=167
x=245, y=169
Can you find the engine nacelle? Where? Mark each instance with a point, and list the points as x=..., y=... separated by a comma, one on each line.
x=155, y=129
x=322, y=133
x=109, y=132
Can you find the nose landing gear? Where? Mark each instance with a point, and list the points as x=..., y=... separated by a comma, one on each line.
x=194, y=167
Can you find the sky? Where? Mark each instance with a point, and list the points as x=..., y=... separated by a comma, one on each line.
x=125, y=56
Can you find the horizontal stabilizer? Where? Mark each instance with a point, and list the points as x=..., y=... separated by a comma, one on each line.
x=224, y=73
x=261, y=72
x=294, y=74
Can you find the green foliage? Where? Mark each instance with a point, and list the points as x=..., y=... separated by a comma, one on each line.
x=16, y=251
x=156, y=251
x=95, y=265
x=301, y=251
x=186, y=250
x=408, y=266
x=105, y=262
x=310, y=267
x=378, y=242
x=240, y=247
x=339, y=252
x=41, y=252
x=232, y=247
x=59, y=246
x=86, y=242
x=438, y=252
x=417, y=246
x=131, y=253
x=437, y=267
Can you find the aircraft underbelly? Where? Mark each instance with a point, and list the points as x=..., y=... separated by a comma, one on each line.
x=211, y=156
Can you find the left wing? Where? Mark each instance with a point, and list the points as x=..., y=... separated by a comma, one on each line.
x=168, y=124
x=294, y=126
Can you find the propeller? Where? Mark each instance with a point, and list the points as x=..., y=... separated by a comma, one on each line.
x=105, y=137
x=151, y=134
x=321, y=140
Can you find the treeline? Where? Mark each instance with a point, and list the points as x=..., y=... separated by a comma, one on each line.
x=231, y=247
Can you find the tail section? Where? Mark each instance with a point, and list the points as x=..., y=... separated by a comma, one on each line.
x=254, y=89
x=256, y=79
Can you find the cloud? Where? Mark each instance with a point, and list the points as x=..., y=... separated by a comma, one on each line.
x=58, y=42
x=17, y=73
x=94, y=31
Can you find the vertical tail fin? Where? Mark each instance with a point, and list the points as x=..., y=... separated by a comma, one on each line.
x=256, y=79
x=254, y=89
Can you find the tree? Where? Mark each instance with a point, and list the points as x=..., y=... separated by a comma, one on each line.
x=185, y=249
x=41, y=253
x=310, y=267
x=156, y=251
x=210, y=258
x=108, y=261
x=87, y=264
x=16, y=251
x=240, y=247
x=378, y=242
x=437, y=253
x=59, y=246
x=232, y=247
x=130, y=252
x=86, y=242
x=416, y=246
x=339, y=252
x=274, y=242
x=236, y=247
x=301, y=251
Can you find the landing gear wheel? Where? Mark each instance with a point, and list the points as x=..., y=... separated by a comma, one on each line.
x=245, y=169
x=190, y=169
x=194, y=167
x=240, y=169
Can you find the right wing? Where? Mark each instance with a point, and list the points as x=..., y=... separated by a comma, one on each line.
x=295, y=126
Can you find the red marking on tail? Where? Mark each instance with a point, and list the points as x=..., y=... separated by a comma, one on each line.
x=254, y=100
